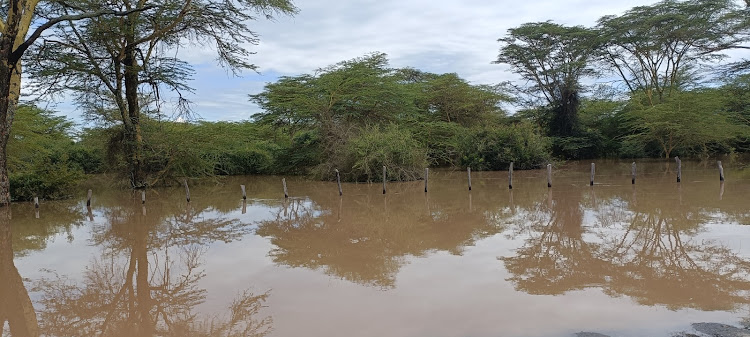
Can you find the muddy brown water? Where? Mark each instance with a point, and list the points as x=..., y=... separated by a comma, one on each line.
x=612, y=259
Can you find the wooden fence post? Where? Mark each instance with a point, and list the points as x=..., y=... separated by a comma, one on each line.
x=593, y=170
x=679, y=168
x=88, y=198
x=187, y=190
x=244, y=194
x=549, y=175
x=510, y=176
x=338, y=181
x=286, y=194
x=383, y=179
x=468, y=171
x=721, y=171
x=426, y=178
x=633, y=173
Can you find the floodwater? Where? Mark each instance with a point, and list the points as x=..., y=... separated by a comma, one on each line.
x=614, y=259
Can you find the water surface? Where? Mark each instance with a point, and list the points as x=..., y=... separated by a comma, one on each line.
x=616, y=258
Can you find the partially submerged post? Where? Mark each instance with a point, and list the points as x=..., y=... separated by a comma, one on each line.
x=510, y=176
x=338, y=181
x=283, y=182
x=549, y=175
x=143, y=197
x=632, y=173
x=187, y=190
x=721, y=171
x=426, y=178
x=468, y=172
x=383, y=179
x=36, y=202
x=679, y=168
x=88, y=199
x=593, y=170
x=244, y=194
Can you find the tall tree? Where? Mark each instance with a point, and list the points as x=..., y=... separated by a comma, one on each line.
x=116, y=62
x=655, y=49
x=553, y=58
x=14, y=41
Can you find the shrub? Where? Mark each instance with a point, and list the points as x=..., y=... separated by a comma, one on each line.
x=495, y=148
x=47, y=179
x=363, y=156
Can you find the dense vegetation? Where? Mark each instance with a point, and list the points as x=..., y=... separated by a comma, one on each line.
x=652, y=82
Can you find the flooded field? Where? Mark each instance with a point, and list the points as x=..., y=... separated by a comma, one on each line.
x=617, y=259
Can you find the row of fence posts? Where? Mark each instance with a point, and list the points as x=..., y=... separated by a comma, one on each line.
x=633, y=173
x=426, y=182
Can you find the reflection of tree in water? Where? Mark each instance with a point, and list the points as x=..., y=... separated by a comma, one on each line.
x=365, y=240
x=555, y=257
x=145, y=283
x=15, y=305
x=32, y=234
x=656, y=262
x=652, y=258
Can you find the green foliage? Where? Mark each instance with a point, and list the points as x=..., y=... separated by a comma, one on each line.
x=495, y=148
x=655, y=49
x=349, y=109
x=391, y=146
x=695, y=122
x=39, y=155
x=554, y=58
x=304, y=153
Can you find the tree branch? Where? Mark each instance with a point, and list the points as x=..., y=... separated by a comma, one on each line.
x=16, y=55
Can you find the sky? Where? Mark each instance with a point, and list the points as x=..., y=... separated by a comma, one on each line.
x=439, y=36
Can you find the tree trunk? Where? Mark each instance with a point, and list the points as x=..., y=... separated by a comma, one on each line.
x=133, y=136
x=17, y=23
x=6, y=114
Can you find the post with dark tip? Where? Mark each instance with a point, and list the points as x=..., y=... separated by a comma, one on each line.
x=679, y=168
x=143, y=197
x=36, y=202
x=88, y=199
x=286, y=194
x=426, y=178
x=187, y=190
x=244, y=194
x=721, y=171
x=383, y=179
x=338, y=181
x=549, y=175
x=510, y=176
x=632, y=173
x=593, y=170
x=468, y=172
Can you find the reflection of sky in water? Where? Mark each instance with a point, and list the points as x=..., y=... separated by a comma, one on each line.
x=453, y=283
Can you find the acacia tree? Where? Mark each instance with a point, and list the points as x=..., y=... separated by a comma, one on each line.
x=113, y=63
x=654, y=49
x=14, y=41
x=553, y=58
